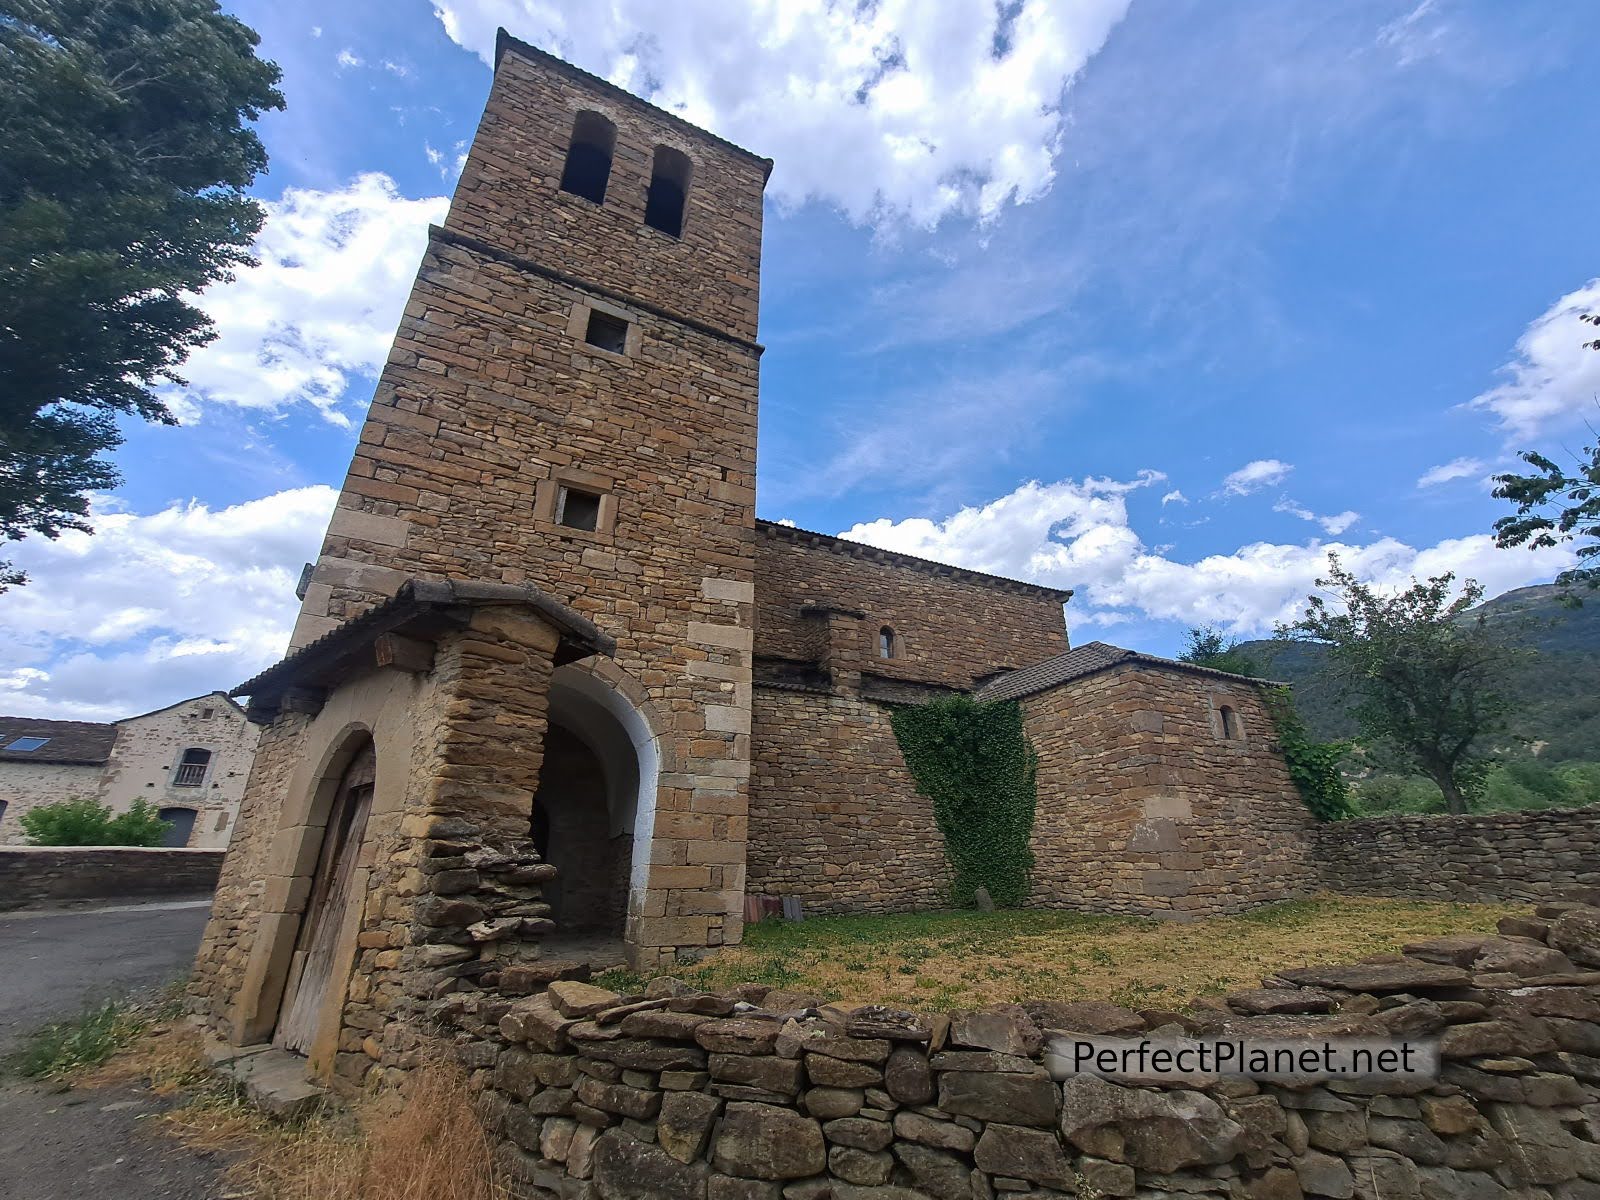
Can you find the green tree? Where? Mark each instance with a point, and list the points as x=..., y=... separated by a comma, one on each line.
x=1207, y=646
x=1426, y=678
x=1555, y=505
x=125, y=150
x=82, y=822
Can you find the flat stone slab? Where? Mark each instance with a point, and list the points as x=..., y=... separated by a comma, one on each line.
x=275, y=1082
x=1407, y=975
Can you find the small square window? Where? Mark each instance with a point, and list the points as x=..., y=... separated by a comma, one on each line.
x=577, y=509
x=23, y=744
x=207, y=713
x=607, y=332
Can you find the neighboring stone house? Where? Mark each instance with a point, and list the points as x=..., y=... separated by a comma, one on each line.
x=189, y=761
x=552, y=676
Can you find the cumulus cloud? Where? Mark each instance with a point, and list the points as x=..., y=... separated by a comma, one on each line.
x=900, y=110
x=155, y=607
x=1077, y=534
x=1456, y=468
x=1333, y=526
x=1175, y=496
x=1253, y=476
x=1553, y=382
x=322, y=306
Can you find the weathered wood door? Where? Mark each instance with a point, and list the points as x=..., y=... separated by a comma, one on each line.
x=311, y=970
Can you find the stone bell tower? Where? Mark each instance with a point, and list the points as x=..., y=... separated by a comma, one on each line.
x=570, y=403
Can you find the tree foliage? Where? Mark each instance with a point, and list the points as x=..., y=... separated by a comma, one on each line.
x=974, y=762
x=1427, y=679
x=1207, y=646
x=125, y=150
x=83, y=822
x=1316, y=767
x=1555, y=505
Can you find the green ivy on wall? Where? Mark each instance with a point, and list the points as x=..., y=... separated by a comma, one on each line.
x=974, y=762
x=1314, y=766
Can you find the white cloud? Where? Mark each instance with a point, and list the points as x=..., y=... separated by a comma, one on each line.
x=1456, y=468
x=1175, y=496
x=1076, y=534
x=1253, y=476
x=153, y=608
x=1554, y=380
x=322, y=307
x=902, y=109
x=1334, y=525
x=348, y=59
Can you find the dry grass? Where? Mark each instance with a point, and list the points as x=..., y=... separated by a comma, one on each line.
x=959, y=959
x=425, y=1145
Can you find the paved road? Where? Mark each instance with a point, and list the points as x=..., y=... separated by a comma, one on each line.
x=53, y=963
x=88, y=1142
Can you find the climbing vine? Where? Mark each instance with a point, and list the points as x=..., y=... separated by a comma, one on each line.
x=1314, y=766
x=975, y=764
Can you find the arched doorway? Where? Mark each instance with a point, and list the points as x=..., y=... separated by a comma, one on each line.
x=311, y=969
x=594, y=812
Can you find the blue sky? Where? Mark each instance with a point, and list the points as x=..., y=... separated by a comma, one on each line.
x=1156, y=301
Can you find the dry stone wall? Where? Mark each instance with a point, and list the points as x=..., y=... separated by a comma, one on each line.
x=1146, y=806
x=1495, y=856
x=758, y=1094
x=835, y=817
x=46, y=874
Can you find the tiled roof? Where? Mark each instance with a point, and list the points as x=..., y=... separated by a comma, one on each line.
x=420, y=605
x=73, y=742
x=1086, y=660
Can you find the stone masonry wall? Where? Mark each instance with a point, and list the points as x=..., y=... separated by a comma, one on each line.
x=492, y=400
x=835, y=817
x=1145, y=807
x=34, y=874
x=711, y=273
x=1496, y=856
x=450, y=887
x=25, y=786
x=951, y=626
x=144, y=761
x=757, y=1094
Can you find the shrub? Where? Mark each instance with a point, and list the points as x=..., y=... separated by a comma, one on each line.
x=83, y=822
x=974, y=762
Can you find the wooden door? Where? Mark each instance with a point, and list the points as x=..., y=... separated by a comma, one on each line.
x=311, y=970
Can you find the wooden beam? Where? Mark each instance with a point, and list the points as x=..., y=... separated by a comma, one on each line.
x=403, y=653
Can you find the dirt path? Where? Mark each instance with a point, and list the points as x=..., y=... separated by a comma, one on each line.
x=96, y=1143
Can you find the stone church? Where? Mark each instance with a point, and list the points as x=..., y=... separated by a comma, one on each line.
x=552, y=678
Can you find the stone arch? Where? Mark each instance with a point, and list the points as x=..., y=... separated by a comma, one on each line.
x=595, y=811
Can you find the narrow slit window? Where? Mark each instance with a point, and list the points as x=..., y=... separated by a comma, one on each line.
x=578, y=509
x=588, y=166
x=606, y=332
x=886, y=642
x=1230, y=723
x=669, y=191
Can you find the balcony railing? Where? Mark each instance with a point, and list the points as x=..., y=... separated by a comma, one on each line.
x=189, y=775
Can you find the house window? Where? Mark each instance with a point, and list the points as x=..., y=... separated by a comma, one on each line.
x=2, y=810
x=669, y=190
x=606, y=332
x=886, y=643
x=578, y=509
x=24, y=744
x=207, y=713
x=588, y=164
x=192, y=766
x=1230, y=723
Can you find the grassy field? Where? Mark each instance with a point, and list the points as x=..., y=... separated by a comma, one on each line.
x=945, y=960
